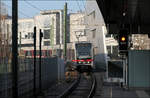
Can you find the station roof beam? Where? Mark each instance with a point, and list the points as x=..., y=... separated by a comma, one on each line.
x=133, y=13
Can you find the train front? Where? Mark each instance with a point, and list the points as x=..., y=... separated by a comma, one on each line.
x=84, y=57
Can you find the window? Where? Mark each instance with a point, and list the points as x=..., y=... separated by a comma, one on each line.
x=94, y=33
x=46, y=23
x=30, y=35
x=47, y=34
x=108, y=35
x=26, y=36
x=115, y=51
x=109, y=50
x=46, y=43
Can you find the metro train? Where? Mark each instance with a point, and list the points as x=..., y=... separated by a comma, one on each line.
x=83, y=56
x=44, y=53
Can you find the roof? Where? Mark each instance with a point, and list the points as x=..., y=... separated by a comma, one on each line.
x=133, y=13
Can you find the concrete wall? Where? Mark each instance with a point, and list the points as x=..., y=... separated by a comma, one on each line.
x=139, y=68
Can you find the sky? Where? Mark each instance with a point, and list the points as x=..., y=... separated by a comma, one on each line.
x=30, y=8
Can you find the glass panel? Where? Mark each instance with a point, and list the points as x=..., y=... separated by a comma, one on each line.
x=47, y=34
x=46, y=43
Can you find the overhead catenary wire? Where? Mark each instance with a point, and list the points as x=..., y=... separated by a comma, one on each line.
x=18, y=11
x=78, y=5
x=33, y=6
x=85, y=10
x=84, y=5
x=23, y=14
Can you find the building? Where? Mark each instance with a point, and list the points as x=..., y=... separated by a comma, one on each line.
x=77, y=28
x=112, y=47
x=96, y=31
x=25, y=33
x=50, y=22
x=5, y=37
x=53, y=23
x=76, y=32
x=140, y=42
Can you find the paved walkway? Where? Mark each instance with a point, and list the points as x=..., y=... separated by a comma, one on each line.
x=111, y=90
x=114, y=91
x=142, y=94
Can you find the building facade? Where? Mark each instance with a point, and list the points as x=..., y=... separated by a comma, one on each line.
x=51, y=24
x=96, y=30
x=112, y=47
x=140, y=42
x=77, y=28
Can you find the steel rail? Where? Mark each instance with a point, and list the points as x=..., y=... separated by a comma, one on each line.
x=71, y=88
x=74, y=85
x=93, y=88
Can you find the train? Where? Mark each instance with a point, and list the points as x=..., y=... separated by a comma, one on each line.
x=83, y=56
x=44, y=53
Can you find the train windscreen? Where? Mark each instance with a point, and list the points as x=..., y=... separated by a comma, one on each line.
x=83, y=49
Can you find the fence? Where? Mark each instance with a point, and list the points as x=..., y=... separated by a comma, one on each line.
x=52, y=69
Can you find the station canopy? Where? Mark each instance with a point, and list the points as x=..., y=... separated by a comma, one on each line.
x=131, y=14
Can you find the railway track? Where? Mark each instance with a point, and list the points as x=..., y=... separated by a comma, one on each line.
x=83, y=87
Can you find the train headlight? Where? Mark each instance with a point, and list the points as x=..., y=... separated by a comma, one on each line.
x=79, y=62
x=88, y=62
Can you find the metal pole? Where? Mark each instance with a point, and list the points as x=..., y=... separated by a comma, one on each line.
x=34, y=74
x=40, y=80
x=20, y=42
x=127, y=72
x=65, y=30
x=15, y=48
x=0, y=18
